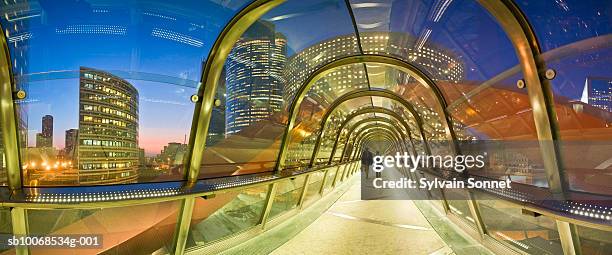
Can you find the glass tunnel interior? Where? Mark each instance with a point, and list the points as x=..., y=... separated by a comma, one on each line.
x=172, y=127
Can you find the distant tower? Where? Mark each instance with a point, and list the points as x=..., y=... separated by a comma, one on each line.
x=71, y=143
x=45, y=138
x=254, y=77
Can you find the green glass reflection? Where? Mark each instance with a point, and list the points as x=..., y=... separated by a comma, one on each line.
x=225, y=215
x=314, y=186
x=287, y=195
x=594, y=241
x=505, y=222
x=142, y=229
x=6, y=226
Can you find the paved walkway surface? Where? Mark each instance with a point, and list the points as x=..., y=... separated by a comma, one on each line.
x=354, y=226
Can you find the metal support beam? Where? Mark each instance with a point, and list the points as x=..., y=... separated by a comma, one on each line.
x=339, y=171
x=374, y=109
x=322, y=188
x=475, y=211
x=368, y=127
x=182, y=227
x=369, y=120
x=389, y=61
x=8, y=119
x=363, y=93
x=527, y=48
x=268, y=206
x=210, y=78
x=19, y=220
x=570, y=241
x=300, y=203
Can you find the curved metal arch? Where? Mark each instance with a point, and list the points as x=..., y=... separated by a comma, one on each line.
x=371, y=92
x=354, y=153
x=367, y=121
x=371, y=126
x=210, y=77
x=385, y=137
x=390, y=61
x=378, y=93
x=8, y=118
x=366, y=110
x=523, y=38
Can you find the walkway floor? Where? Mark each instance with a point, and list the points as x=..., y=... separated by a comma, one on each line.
x=354, y=226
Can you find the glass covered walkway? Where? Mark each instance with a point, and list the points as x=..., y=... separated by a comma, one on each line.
x=200, y=126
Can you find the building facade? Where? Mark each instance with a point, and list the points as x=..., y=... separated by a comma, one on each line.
x=108, y=129
x=254, y=78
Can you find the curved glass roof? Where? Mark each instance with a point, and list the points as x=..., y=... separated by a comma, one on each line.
x=116, y=88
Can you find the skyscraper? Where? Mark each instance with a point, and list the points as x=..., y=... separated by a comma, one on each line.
x=71, y=143
x=254, y=77
x=108, y=129
x=45, y=138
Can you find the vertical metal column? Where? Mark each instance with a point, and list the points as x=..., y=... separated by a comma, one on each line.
x=300, y=203
x=268, y=206
x=182, y=227
x=568, y=234
x=19, y=220
x=8, y=118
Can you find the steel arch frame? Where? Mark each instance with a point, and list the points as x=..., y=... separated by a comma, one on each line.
x=373, y=109
x=363, y=93
x=511, y=19
x=366, y=128
x=362, y=123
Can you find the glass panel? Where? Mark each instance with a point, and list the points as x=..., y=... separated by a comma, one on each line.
x=6, y=225
x=594, y=241
x=576, y=37
x=458, y=203
x=226, y=214
x=331, y=175
x=433, y=36
x=265, y=68
x=558, y=23
x=107, y=108
x=505, y=222
x=123, y=230
x=104, y=129
x=498, y=112
x=314, y=186
x=287, y=195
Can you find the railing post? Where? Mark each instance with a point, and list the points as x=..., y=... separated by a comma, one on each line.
x=181, y=231
x=268, y=206
x=323, y=182
x=300, y=203
x=19, y=220
x=475, y=211
x=568, y=234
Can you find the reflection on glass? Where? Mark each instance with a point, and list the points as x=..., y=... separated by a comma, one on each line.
x=505, y=222
x=103, y=105
x=594, y=241
x=6, y=225
x=314, y=186
x=287, y=195
x=109, y=129
x=123, y=230
x=265, y=68
x=3, y=173
x=226, y=214
x=458, y=203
